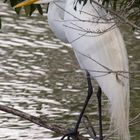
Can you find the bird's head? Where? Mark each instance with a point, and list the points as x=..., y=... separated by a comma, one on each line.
x=29, y=2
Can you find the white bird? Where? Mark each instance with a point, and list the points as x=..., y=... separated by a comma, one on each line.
x=100, y=51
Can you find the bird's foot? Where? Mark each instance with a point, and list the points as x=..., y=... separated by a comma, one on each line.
x=71, y=134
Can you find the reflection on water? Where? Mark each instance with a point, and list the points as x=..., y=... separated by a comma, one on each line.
x=39, y=75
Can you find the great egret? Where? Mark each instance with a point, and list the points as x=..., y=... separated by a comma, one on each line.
x=100, y=51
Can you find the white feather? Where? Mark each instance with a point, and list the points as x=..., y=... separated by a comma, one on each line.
x=101, y=52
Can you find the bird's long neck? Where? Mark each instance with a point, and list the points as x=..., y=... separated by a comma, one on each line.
x=56, y=19
x=56, y=9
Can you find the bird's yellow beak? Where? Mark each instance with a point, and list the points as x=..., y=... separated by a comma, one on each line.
x=25, y=3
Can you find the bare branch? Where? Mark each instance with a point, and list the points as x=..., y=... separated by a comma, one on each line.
x=122, y=18
x=41, y=122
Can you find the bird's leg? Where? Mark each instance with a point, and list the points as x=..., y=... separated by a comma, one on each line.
x=89, y=93
x=99, y=93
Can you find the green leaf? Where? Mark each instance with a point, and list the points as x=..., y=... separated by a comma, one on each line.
x=85, y=1
x=32, y=9
x=14, y=2
x=27, y=10
x=39, y=8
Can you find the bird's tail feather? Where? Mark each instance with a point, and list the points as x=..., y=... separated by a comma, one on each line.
x=120, y=113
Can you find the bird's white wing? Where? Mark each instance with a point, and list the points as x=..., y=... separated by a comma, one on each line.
x=100, y=50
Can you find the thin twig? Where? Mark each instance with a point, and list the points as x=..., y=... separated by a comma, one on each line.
x=118, y=15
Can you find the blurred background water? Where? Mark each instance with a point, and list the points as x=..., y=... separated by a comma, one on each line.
x=40, y=75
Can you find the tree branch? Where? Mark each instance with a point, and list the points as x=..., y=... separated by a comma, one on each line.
x=41, y=122
x=122, y=18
